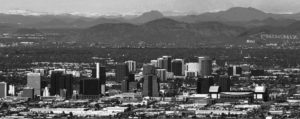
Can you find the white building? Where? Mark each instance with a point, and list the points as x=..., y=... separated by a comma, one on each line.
x=131, y=65
x=192, y=68
x=154, y=63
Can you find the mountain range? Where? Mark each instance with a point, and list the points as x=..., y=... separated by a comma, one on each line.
x=167, y=31
x=232, y=26
x=248, y=17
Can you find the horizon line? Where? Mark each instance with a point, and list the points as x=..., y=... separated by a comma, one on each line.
x=25, y=12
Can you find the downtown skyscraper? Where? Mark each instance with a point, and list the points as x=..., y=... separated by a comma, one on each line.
x=205, y=66
x=34, y=81
x=151, y=82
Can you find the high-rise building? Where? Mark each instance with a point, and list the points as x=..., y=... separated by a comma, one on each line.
x=89, y=87
x=28, y=92
x=131, y=65
x=203, y=85
x=167, y=63
x=234, y=71
x=192, y=69
x=61, y=81
x=3, y=89
x=178, y=67
x=160, y=62
x=125, y=83
x=100, y=73
x=161, y=74
x=154, y=63
x=170, y=75
x=205, y=66
x=97, y=70
x=224, y=83
x=66, y=83
x=55, y=75
x=121, y=72
x=150, y=86
x=34, y=81
x=148, y=69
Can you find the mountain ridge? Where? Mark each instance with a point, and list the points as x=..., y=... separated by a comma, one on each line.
x=235, y=14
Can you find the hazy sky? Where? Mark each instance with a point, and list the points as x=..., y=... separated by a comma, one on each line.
x=138, y=6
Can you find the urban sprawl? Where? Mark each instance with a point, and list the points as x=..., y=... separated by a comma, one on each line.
x=162, y=88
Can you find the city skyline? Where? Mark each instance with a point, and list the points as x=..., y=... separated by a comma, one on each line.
x=136, y=7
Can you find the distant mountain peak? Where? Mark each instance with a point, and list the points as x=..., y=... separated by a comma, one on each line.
x=152, y=13
x=149, y=16
x=241, y=14
x=243, y=10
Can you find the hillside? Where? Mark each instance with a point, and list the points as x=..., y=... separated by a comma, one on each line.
x=161, y=31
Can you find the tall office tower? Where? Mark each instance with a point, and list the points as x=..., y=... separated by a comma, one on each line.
x=178, y=67
x=28, y=92
x=160, y=62
x=100, y=73
x=224, y=83
x=154, y=63
x=205, y=66
x=121, y=72
x=161, y=74
x=131, y=65
x=66, y=83
x=3, y=89
x=148, y=69
x=191, y=69
x=55, y=75
x=150, y=86
x=234, y=71
x=167, y=63
x=102, y=79
x=125, y=83
x=203, y=85
x=89, y=87
x=34, y=81
x=96, y=71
